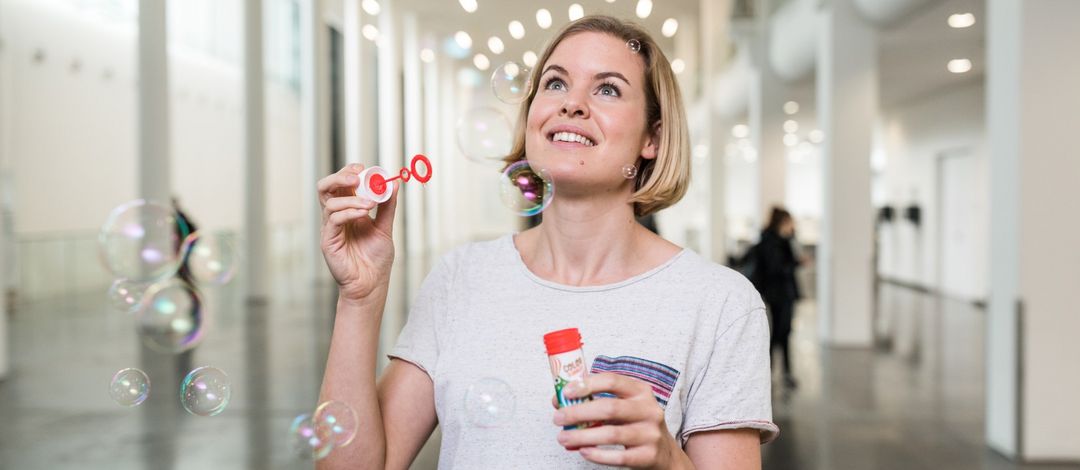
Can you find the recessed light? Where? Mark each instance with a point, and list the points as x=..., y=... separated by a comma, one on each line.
x=463, y=39
x=468, y=5
x=576, y=12
x=543, y=18
x=961, y=20
x=670, y=27
x=959, y=65
x=517, y=30
x=644, y=8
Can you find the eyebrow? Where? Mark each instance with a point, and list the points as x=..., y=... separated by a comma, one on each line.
x=600, y=75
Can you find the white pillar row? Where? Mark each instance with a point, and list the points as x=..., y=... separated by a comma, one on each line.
x=153, y=103
x=314, y=129
x=5, y=362
x=255, y=221
x=433, y=145
x=413, y=195
x=766, y=120
x=391, y=157
x=1031, y=93
x=847, y=97
x=715, y=43
x=353, y=78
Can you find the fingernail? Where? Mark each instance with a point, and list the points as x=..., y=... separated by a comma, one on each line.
x=562, y=438
x=559, y=417
x=573, y=389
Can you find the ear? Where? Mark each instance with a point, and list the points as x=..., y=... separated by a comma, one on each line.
x=652, y=143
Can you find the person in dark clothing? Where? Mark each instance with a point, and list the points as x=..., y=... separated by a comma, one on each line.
x=774, y=277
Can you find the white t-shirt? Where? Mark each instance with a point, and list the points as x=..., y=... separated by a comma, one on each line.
x=697, y=330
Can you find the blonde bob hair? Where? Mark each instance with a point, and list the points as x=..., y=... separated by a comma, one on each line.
x=662, y=181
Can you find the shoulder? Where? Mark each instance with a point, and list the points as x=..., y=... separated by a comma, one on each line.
x=727, y=293
x=479, y=254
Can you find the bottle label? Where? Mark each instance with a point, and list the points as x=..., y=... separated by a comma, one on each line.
x=569, y=367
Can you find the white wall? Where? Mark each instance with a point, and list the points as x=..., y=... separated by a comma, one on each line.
x=915, y=135
x=72, y=140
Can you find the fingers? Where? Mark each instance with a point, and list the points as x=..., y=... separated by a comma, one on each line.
x=628, y=435
x=617, y=410
x=384, y=218
x=337, y=204
x=615, y=384
x=634, y=457
x=338, y=219
x=344, y=180
x=555, y=402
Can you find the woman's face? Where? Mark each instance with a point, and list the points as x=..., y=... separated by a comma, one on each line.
x=587, y=119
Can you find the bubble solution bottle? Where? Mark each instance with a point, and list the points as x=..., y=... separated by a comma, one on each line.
x=567, y=362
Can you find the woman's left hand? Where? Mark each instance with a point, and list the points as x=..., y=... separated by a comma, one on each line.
x=633, y=419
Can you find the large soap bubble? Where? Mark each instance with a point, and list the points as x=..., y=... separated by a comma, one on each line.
x=171, y=317
x=141, y=241
x=484, y=135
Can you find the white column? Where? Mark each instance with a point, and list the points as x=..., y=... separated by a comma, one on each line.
x=5, y=362
x=413, y=196
x=1031, y=348
x=433, y=129
x=353, y=77
x=255, y=225
x=314, y=129
x=715, y=20
x=847, y=99
x=766, y=122
x=153, y=103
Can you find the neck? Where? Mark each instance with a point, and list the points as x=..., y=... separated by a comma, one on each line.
x=585, y=242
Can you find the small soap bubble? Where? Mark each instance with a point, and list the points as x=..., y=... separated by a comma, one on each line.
x=511, y=82
x=129, y=387
x=489, y=403
x=524, y=190
x=210, y=258
x=484, y=134
x=634, y=45
x=305, y=441
x=335, y=422
x=126, y=295
x=629, y=171
x=205, y=391
x=141, y=241
x=171, y=317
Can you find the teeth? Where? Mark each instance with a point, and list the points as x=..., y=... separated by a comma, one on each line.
x=571, y=137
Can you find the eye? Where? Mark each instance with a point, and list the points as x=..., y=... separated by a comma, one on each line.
x=609, y=89
x=555, y=83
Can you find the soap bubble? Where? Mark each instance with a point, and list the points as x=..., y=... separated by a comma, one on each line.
x=205, y=391
x=526, y=191
x=141, y=241
x=335, y=422
x=305, y=441
x=489, y=403
x=129, y=387
x=171, y=318
x=210, y=258
x=634, y=45
x=126, y=295
x=511, y=83
x=484, y=134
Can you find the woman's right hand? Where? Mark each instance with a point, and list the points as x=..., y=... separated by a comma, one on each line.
x=358, y=249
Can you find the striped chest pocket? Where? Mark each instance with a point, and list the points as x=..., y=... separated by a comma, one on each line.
x=659, y=376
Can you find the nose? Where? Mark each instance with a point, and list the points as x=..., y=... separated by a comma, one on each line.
x=573, y=107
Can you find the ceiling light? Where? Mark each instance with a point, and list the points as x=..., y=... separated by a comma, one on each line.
x=427, y=55
x=959, y=65
x=468, y=5
x=517, y=30
x=740, y=131
x=644, y=8
x=529, y=58
x=371, y=7
x=791, y=140
x=576, y=12
x=791, y=107
x=961, y=20
x=481, y=62
x=495, y=44
x=678, y=66
x=816, y=136
x=671, y=25
x=463, y=39
x=370, y=32
x=543, y=18
x=791, y=127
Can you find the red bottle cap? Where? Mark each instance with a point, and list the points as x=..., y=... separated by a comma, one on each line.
x=561, y=341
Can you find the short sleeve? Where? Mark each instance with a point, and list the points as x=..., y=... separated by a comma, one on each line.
x=418, y=342
x=734, y=389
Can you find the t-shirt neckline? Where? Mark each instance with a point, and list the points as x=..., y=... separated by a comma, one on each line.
x=509, y=241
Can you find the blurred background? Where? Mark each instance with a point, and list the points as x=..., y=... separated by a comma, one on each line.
x=925, y=148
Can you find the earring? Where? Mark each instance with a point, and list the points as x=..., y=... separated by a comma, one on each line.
x=629, y=171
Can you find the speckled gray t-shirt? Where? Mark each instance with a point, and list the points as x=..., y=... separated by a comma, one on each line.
x=694, y=330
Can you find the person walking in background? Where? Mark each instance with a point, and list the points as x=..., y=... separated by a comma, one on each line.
x=774, y=277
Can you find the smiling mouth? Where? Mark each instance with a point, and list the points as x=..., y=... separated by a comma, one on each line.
x=571, y=137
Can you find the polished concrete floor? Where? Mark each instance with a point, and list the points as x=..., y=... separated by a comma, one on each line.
x=914, y=402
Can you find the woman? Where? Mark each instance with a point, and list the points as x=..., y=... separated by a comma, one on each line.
x=698, y=331
x=774, y=277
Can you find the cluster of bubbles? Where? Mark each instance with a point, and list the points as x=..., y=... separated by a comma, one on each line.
x=333, y=425
x=484, y=135
x=158, y=261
